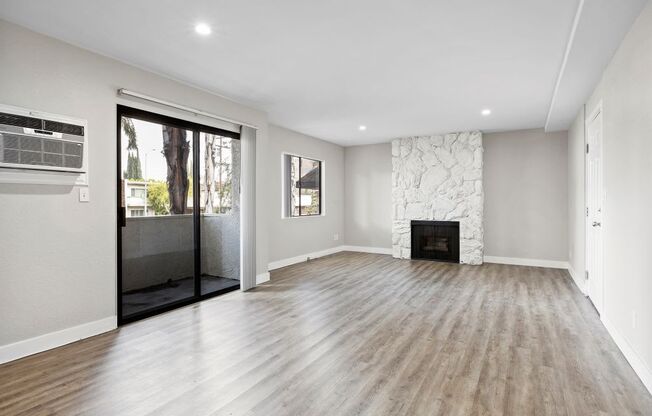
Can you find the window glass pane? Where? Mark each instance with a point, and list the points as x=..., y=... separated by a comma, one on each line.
x=157, y=168
x=294, y=186
x=310, y=186
x=158, y=256
x=216, y=154
x=219, y=201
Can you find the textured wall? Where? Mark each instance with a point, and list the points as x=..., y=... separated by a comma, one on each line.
x=438, y=178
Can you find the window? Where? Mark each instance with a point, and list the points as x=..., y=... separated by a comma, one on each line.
x=139, y=193
x=157, y=161
x=303, y=186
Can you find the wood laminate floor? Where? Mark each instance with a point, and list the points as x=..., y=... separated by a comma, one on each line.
x=349, y=334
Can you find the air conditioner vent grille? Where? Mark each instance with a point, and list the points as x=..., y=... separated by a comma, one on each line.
x=74, y=149
x=34, y=144
x=53, y=146
x=31, y=158
x=11, y=156
x=41, y=124
x=63, y=128
x=11, y=141
x=50, y=159
x=72, y=162
x=30, y=150
x=21, y=121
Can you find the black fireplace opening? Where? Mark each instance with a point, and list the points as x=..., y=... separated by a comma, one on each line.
x=436, y=240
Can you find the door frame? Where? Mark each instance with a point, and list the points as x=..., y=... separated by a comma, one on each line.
x=597, y=111
x=125, y=111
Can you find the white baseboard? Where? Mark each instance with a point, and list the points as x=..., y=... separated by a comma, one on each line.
x=579, y=281
x=304, y=257
x=262, y=278
x=639, y=366
x=56, y=339
x=551, y=264
x=362, y=249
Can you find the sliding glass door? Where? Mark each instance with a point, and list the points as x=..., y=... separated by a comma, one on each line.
x=178, y=212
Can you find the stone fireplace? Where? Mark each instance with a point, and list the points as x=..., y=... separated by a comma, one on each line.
x=438, y=178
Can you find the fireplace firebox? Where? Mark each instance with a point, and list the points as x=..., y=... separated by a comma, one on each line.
x=436, y=240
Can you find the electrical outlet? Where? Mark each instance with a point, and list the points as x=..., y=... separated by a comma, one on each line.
x=336, y=237
x=84, y=195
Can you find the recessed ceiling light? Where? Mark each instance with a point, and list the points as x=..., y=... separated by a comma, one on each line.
x=486, y=112
x=203, y=29
x=362, y=128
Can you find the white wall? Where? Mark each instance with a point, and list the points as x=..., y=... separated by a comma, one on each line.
x=525, y=192
x=626, y=94
x=58, y=256
x=576, y=205
x=368, y=195
x=292, y=237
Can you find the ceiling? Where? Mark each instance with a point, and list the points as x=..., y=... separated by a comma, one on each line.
x=399, y=67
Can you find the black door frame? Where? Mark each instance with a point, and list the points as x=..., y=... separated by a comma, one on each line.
x=124, y=111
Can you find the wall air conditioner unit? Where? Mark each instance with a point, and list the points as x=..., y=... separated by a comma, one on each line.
x=42, y=148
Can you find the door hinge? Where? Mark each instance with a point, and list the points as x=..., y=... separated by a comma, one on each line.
x=587, y=211
x=586, y=275
x=587, y=148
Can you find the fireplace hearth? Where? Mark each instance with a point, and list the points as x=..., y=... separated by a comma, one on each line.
x=436, y=240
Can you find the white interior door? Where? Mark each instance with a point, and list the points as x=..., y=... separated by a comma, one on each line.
x=594, y=200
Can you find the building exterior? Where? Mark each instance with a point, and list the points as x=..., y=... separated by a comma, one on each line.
x=135, y=193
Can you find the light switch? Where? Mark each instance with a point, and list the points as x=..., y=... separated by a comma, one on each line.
x=84, y=195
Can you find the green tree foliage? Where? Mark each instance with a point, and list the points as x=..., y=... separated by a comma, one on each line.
x=158, y=197
x=133, y=168
x=133, y=158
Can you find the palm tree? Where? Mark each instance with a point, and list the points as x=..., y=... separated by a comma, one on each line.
x=133, y=158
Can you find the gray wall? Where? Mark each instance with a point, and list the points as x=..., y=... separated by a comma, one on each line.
x=525, y=184
x=368, y=195
x=626, y=94
x=58, y=265
x=525, y=188
x=291, y=237
x=576, y=205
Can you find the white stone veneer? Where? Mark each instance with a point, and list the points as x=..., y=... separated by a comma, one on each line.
x=438, y=178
